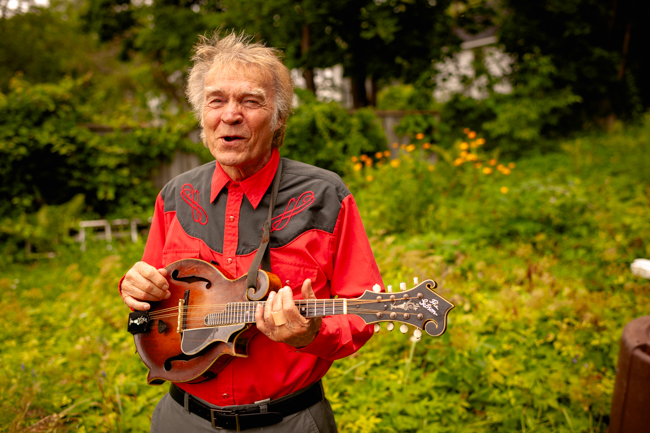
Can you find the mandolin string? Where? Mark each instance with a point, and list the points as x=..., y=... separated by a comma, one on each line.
x=243, y=307
x=299, y=303
x=192, y=320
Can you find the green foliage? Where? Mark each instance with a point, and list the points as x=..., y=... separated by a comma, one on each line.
x=531, y=113
x=42, y=47
x=539, y=276
x=67, y=360
x=43, y=231
x=327, y=135
x=590, y=61
x=404, y=97
x=382, y=41
x=48, y=156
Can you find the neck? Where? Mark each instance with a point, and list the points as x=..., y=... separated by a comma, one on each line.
x=242, y=172
x=244, y=312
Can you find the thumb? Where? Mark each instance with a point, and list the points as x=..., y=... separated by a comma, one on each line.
x=307, y=291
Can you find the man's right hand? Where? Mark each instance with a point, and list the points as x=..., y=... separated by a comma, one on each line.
x=143, y=282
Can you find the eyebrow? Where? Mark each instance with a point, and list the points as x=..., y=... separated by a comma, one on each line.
x=258, y=92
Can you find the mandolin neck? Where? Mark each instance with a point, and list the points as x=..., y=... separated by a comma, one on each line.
x=244, y=312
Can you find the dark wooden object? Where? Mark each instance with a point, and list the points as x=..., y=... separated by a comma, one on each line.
x=631, y=401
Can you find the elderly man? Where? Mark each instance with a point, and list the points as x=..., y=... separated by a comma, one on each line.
x=242, y=94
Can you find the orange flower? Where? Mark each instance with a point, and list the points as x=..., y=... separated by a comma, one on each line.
x=493, y=162
x=419, y=136
x=395, y=145
x=386, y=153
x=464, y=146
x=471, y=135
x=369, y=178
x=378, y=155
x=358, y=166
x=478, y=165
x=511, y=165
x=394, y=163
x=472, y=157
x=432, y=167
x=410, y=148
x=500, y=167
x=363, y=157
x=354, y=159
x=506, y=171
x=480, y=141
x=368, y=162
x=458, y=161
x=426, y=145
x=466, y=131
x=504, y=190
x=464, y=154
x=487, y=170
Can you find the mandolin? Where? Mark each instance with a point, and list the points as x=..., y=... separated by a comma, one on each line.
x=209, y=318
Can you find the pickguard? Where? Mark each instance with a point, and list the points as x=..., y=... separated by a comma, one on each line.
x=196, y=339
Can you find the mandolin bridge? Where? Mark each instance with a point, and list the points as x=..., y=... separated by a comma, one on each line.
x=138, y=322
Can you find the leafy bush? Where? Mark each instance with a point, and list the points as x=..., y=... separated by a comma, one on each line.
x=326, y=135
x=48, y=155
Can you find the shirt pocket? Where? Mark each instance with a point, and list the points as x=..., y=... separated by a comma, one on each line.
x=174, y=255
x=294, y=274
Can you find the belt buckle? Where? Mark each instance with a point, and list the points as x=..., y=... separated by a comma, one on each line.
x=225, y=412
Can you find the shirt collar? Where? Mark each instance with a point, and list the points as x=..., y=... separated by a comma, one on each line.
x=254, y=187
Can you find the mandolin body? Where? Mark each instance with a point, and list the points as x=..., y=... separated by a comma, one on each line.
x=176, y=344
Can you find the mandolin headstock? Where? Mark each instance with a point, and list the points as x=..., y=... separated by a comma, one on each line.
x=420, y=307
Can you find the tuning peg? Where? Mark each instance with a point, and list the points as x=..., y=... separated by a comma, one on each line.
x=416, y=281
x=402, y=286
x=376, y=288
x=404, y=329
x=390, y=326
x=389, y=289
x=377, y=327
x=417, y=333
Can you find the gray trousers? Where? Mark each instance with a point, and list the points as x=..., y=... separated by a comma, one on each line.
x=171, y=417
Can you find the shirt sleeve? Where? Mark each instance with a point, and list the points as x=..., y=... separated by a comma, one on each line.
x=156, y=239
x=153, y=250
x=354, y=271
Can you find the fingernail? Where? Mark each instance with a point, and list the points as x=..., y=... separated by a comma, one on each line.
x=165, y=287
x=167, y=295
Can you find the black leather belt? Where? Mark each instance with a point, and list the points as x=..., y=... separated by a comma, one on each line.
x=261, y=414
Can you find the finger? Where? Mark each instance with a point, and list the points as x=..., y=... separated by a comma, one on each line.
x=152, y=274
x=259, y=319
x=268, y=307
x=277, y=303
x=141, y=288
x=306, y=290
x=135, y=304
x=279, y=318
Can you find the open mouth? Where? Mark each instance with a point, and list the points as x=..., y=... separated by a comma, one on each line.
x=230, y=138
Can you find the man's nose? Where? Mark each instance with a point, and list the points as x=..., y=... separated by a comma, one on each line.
x=232, y=113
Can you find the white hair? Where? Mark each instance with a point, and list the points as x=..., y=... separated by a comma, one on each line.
x=237, y=51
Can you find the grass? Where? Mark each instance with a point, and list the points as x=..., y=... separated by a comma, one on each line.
x=539, y=275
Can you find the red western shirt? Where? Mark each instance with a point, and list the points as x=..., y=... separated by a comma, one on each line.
x=316, y=233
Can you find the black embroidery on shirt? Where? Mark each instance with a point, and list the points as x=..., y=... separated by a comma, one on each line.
x=298, y=179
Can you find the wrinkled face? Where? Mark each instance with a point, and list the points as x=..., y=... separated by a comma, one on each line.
x=237, y=119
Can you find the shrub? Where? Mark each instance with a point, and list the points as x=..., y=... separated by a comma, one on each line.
x=326, y=135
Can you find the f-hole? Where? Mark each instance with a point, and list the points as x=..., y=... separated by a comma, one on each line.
x=191, y=279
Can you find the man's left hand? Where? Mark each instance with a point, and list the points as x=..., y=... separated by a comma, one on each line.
x=296, y=330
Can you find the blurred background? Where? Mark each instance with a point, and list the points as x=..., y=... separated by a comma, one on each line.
x=499, y=147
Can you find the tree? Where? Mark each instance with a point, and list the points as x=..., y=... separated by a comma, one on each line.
x=597, y=46
x=375, y=40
